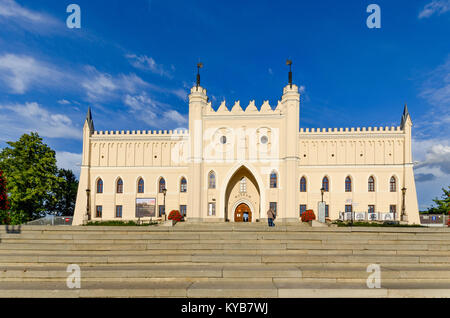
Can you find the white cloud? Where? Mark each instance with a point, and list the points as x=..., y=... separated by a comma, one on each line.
x=153, y=113
x=63, y=102
x=69, y=160
x=432, y=168
x=18, y=119
x=13, y=13
x=19, y=72
x=436, y=6
x=147, y=63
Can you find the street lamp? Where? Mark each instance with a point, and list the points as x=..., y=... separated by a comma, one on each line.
x=88, y=212
x=164, y=190
x=322, y=191
x=403, y=203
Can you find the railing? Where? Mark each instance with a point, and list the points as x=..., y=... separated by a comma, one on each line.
x=367, y=217
x=52, y=220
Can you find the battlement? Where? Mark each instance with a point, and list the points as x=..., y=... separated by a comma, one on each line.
x=166, y=133
x=237, y=109
x=352, y=130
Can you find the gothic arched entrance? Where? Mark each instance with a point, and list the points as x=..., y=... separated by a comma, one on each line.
x=242, y=197
x=242, y=213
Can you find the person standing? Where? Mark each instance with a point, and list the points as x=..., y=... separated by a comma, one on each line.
x=270, y=217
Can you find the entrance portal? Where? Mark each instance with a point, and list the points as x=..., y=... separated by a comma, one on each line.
x=242, y=213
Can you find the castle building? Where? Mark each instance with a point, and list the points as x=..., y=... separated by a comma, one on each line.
x=234, y=164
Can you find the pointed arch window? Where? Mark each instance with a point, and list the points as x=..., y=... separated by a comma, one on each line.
x=119, y=187
x=371, y=184
x=348, y=184
x=183, y=185
x=325, y=184
x=141, y=186
x=273, y=180
x=212, y=180
x=303, y=184
x=100, y=186
x=393, y=184
x=162, y=185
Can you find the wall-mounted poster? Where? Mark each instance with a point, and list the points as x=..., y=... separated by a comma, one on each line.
x=145, y=208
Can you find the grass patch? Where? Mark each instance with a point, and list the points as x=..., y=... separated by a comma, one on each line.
x=119, y=223
x=374, y=224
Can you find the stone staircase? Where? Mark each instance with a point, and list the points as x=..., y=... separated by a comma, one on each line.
x=224, y=260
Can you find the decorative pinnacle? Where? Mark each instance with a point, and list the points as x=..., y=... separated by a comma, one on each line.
x=289, y=62
x=199, y=66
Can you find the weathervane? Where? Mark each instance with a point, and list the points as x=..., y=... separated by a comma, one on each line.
x=199, y=66
x=289, y=62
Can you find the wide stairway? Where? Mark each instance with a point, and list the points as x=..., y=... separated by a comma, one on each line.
x=224, y=260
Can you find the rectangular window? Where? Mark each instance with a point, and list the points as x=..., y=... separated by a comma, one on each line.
x=302, y=209
x=211, y=208
x=161, y=210
x=371, y=209
x=392, y=208
x=118, y=211
x=327, y=211
x=98, y=211
x=183, y=210
x=348, y=208
x=273, y=206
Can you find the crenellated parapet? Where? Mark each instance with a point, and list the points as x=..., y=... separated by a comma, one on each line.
x=351, y=130
x=237, y=109
x=165, y=133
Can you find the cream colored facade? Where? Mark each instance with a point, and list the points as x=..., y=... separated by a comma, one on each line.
x=242, y=148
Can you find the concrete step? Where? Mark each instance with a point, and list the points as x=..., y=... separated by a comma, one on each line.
x=228, y=289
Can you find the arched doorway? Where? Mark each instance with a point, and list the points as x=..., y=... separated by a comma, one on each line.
x=242, y=213
x=242, y=197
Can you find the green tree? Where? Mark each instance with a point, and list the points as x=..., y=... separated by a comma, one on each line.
x=30, y=168
x=443, y=205
x=65, y=194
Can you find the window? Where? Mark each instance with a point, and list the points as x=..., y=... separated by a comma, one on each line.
x=212, y=180
x=162, y=185
x=119, y=186
x=161, y=210
x=118, y=211
x=371, y=209
x=348, y=184
x=273, y=206
x=183, y=185
x=303, y=184
x=273, y=179
x=327, y=209
x=211, y=208
x=348, y=208
x=100, y=186
x=264, y=140
x=243, y=185
x=392, y=208
x=141, y=186
x=183, y=209
x=223, y=140
x=371, y=184
x=98, y=211
x=393, y=184
x=302, y=209
x=325, y=184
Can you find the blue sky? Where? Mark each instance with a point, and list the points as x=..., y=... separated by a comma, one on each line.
x=134, y=61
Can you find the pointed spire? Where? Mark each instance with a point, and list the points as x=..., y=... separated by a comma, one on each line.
x=89, y=119
x=404, y=117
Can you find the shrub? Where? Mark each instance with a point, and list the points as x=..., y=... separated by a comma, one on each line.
x=308, y=215
x=175, y=215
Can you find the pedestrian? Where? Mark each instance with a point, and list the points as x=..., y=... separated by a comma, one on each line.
x=270, y=217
